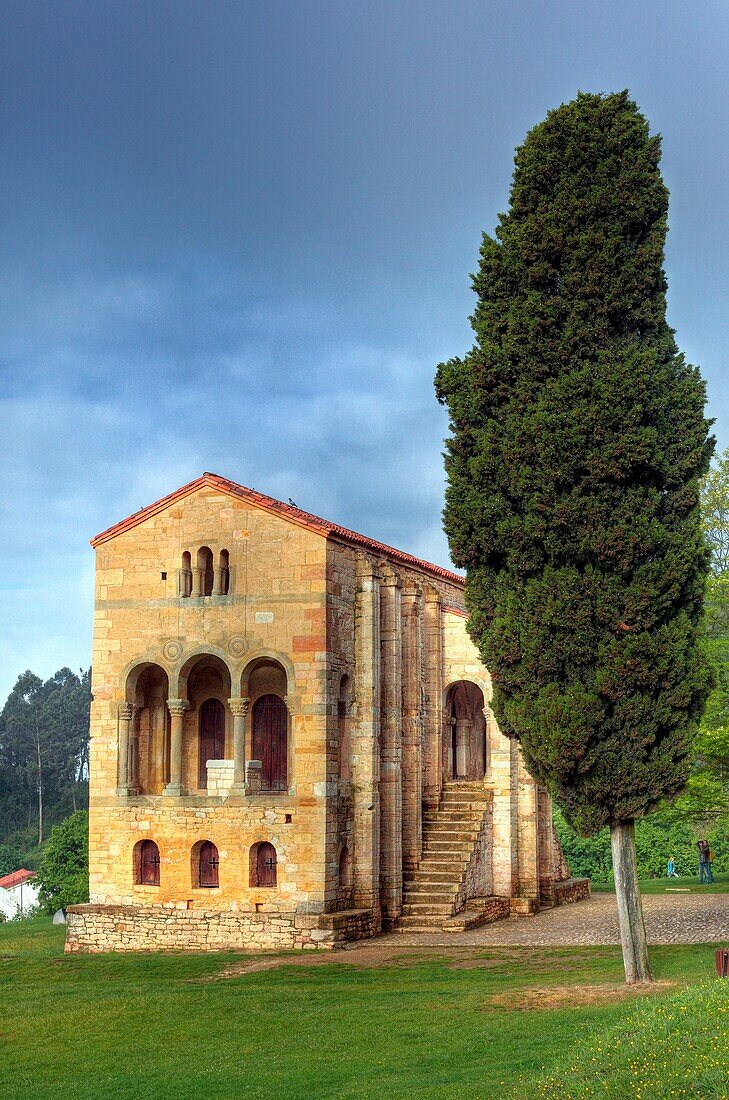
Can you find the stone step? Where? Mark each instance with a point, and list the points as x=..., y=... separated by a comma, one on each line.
x=461, y=804
x=443, y=847
x=418, y=924
x=426, y=891
x=445, y=859
x=454, y=815
x=447, y=832
x=430, y=874
x=443, y=822
x=438, y=863
x=454, y=790
x=438, y=886
x=428, y=909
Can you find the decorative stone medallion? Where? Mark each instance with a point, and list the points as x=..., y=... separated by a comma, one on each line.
x=237, y=646
x=172, y=649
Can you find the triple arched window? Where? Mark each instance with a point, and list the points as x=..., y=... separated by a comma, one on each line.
x=201, y=575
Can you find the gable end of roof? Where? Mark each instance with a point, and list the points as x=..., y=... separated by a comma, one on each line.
x=286, y=511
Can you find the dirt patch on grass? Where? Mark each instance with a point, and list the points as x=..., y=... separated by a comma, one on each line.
x=374, y=955
x=574, y=996
x=360, y=958
x=538, y=961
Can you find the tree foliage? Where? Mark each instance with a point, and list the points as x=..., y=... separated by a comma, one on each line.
x=11, y=859
x=44, y=733
x=578, y=440
x=63, y=875
x=707, y=795
x=657, y=837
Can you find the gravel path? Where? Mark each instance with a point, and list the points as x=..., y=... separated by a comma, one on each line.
x=674, y=918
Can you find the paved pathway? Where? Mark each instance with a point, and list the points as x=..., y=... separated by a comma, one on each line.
x=670, y=918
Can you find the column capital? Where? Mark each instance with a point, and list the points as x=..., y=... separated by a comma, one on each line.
x=126, y=711
x=366, y=568
x=239, y=706
x=177, y=707
x=390, y=577
x=431, y=594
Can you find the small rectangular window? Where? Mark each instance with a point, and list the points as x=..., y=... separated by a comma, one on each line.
x=163, y=575
x=287, y=819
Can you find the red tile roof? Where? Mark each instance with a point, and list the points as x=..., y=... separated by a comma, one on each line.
x=270, y=504
x=16, y=878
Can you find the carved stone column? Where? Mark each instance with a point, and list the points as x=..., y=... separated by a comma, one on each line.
x=197, y=580
x=528, y=833
x=391, y=753
x=126, y=713
x=218, y=580
x=365, y=738
x=433, y=678
x=412, y=729
x=239, y=710
x=134, y=765
x=177, y=708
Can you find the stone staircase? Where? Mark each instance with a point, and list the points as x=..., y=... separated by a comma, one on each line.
x=449, y=833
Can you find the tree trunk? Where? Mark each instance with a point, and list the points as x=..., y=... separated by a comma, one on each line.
x=630, y=908
x=40, y=785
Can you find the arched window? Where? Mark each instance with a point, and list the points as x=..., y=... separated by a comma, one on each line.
x=345, y=869
x=212, y=737
x=224, y=572
x=207, y=864
x=263, y=864
x=186, y=574
x=207, y=572
x=146, y=863
x=270, y=731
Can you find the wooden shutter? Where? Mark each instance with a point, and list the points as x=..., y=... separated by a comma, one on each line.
x=266, y=865
x=212, y=736
x=149, y=864
x=270, y=731
x=208, y=864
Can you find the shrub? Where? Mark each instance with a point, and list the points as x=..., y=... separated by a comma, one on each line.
x=63, y=875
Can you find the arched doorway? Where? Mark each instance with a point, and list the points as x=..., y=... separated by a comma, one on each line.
x=212, y=737
x=466, y=730
x=149, y=734
x=204, y=681
x=270, y=732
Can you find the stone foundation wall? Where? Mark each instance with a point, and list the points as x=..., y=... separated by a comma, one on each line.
x=95, y=928
x=478, y=878
x=572, y=889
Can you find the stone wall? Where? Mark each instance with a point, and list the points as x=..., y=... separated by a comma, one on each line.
x=275, y=610
x=478, y=878
x=571, y=889
x=96, y=928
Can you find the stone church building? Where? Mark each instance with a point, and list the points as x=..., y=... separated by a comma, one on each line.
x=291, y=744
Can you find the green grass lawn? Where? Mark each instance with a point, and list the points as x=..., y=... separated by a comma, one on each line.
x=157, y=1025
x=688, y=883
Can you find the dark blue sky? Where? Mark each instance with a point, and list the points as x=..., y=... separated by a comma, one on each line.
x=237, y=237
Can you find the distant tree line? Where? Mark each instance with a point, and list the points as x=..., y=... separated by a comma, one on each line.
x=44, y=757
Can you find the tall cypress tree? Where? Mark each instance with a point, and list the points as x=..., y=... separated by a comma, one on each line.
x=577, y=442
